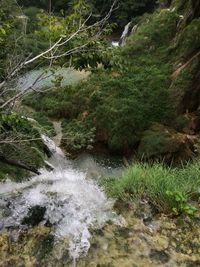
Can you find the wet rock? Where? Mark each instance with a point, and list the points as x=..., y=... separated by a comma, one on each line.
x=168, y=225
x=43, y=246
x=161, y=242
x=154, y=225
x=191, y=263
x=123, y=231
x=159, y=256
x=6, y=212
x=105, y=265
x=144, y=212
x=34, y=216
x=99, y=232
x=1, y=225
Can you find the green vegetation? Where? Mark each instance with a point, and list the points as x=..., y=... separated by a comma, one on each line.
x=141, y=101
x=12, y=173
x=127, y=9
x=23, y=35
x=189, y=39
x=119, y=105
x=77, y=137
x=123, y=102
x=169, y=190
x=20, y=142
x=42, y=122
x=141, y=98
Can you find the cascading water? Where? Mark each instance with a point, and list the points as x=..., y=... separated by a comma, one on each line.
x=125, y=33
x=71, y=203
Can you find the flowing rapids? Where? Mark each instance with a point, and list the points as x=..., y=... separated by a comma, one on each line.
x=72, y=203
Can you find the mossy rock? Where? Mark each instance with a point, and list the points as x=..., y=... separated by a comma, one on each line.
x=34, y=247
x=164, y=142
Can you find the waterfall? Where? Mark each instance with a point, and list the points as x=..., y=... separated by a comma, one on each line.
x=71, y=202
x=126, y=32
x=115, y=43
x=134, y=29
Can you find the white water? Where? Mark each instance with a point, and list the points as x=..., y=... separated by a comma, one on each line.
x=115, y=43
x=125, y=33
x=73, y=203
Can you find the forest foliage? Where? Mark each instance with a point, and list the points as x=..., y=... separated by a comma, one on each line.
x=130, y=87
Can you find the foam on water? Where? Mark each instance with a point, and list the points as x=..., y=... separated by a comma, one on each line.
x=73, y=204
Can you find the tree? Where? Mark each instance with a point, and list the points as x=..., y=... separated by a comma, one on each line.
x=127, y=9
x=69, y=38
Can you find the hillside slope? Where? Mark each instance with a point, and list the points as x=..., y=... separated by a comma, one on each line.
x=148, y=103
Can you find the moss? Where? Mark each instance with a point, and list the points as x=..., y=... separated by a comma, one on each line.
x=165, y=143
x=189, y=40
x=159, y=140
x=184, y=89
x=43, y=247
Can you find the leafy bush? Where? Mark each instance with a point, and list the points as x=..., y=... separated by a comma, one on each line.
x=45, y=124
x=77, y=136
x=181, y=203
x=123, y=102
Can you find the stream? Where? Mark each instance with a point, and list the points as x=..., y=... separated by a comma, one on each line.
x=66, y=199
x=62, y=218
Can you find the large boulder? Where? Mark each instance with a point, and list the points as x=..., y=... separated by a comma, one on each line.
x=166, y=143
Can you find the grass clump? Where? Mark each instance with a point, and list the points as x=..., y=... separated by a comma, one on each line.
x=167, y=189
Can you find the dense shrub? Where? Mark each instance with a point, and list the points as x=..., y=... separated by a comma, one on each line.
x=77, y=136
x=122, y=102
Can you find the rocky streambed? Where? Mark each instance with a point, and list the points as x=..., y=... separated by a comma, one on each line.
x=63, y=219
x=145, y=240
